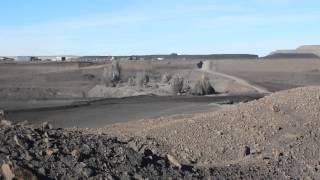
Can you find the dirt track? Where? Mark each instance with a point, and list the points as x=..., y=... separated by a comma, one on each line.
x=238, y=80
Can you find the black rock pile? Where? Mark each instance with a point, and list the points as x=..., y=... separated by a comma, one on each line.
x=46, y=153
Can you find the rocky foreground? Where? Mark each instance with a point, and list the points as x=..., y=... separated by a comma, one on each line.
x=46, y=153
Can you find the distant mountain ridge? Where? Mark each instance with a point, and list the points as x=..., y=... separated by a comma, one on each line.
x=305, y=49
x=292, y=56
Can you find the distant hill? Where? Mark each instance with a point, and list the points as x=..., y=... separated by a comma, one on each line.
x=209, y=56
x=306, y=49
x=291, y=56
x=171, y=57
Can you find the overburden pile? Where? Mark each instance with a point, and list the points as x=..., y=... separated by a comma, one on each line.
x=46, y=153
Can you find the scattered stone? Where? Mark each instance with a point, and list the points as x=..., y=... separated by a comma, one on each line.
x=49, y=152
x=85, y=149
x=5, y=123
x=27, y=156
x=15, y=138
x=42, y=171
x=220, y=133
x=138, y=177
x=275, y=108
x=46, y=125
x=24, y=174
x=173, y=161
x=75, y=153
x=277, y=154
x=246, y=151
x=6, y=172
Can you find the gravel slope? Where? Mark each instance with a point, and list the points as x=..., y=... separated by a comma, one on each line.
x=278, y=132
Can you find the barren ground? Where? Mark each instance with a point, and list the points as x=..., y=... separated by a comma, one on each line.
x=275, y=137
x=276, y=132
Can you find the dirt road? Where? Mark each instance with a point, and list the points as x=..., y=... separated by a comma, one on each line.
x=238, y=80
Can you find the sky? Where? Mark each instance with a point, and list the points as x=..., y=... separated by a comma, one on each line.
x=130, y=27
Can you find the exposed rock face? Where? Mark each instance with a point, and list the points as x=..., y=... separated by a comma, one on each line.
x=203, y=87
x=56, y=154
x=166, y=77
x=116, y=72
x=142, y=79
x=177, y=84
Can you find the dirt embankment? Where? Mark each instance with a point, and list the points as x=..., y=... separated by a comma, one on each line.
x=279, y=132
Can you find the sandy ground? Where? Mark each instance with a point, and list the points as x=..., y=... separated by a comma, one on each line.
x=281, y=128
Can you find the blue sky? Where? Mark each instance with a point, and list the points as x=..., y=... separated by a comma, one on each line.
x=126, y=27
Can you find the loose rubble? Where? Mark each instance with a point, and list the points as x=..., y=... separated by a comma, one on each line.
x=46, y=153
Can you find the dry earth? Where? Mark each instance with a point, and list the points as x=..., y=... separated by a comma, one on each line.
x=276, y=136
x=274, y=75
x=278, y=132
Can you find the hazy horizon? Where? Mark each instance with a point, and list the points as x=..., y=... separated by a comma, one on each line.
x=110, y=27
